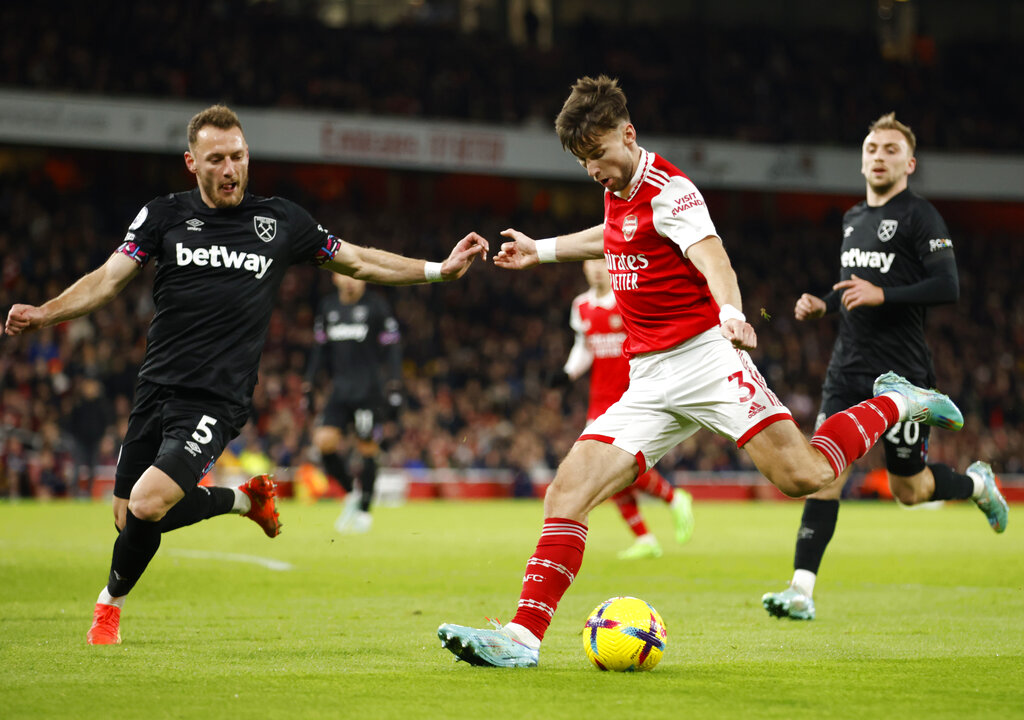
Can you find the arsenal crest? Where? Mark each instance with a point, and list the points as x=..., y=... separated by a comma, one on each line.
x=629, y=227
x=266, y=227
x=887, y=230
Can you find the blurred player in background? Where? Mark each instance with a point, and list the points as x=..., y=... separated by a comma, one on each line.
x=686, y=338
x=598, y=348
x=896, y=260
x=358, y=341
x=221, y=255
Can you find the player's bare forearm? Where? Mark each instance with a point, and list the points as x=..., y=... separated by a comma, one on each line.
x=89, y=292
x=388, y=268
x=710, y=258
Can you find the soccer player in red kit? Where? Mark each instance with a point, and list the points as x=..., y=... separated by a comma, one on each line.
x=598, y=349
x=687, y=340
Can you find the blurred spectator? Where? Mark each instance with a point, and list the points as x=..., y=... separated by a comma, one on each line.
x=476, y=352
x=784, y=84
x=88, y=421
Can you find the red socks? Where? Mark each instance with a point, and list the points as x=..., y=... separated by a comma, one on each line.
x=652, y=483
x=626, y=501
x=849, y=434
x=550, y=572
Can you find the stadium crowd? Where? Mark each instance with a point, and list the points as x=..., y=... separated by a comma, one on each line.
x=783, y=85
x=479, y=353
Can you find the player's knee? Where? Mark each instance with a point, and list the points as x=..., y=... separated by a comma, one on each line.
x=327, y=440
x=907, y=494
x=800, y=481
x=148, y=507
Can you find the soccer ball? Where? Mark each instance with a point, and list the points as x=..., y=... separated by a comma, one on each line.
x=624, y=634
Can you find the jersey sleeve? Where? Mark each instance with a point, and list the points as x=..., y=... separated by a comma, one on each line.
x=580, y=359
x=142, y=241
x=680, y=214
x=311, y=243
x=931, y=237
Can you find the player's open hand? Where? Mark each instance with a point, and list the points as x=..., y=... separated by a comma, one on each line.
x=858, y=292
x=23, y=318
x=463, y=254
x=519, y=253
x=809, y=307
x=740, y=334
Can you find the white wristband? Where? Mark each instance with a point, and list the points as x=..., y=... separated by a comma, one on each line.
x=546, y=250
x=728, y=312
x=432, y=271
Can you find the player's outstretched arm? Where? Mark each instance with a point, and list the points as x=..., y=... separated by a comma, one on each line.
x=522, y=251
x=387, y=268
x=709, y=256
x=89, y=292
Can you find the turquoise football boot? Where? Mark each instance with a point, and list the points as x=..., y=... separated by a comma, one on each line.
x=928, y=406
x=990, y=501
x=791, y=603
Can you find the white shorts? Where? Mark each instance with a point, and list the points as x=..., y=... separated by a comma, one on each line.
x=703, y=383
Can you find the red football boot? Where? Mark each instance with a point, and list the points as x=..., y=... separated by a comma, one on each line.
x=261, y=492
x=106, y=626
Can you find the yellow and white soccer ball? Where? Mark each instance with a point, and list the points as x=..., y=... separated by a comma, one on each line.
x=624, y=634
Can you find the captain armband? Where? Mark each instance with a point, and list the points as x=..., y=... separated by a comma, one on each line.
x=132, y=249
x=327, y=251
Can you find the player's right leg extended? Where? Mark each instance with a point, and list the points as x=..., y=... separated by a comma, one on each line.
x=591, y=472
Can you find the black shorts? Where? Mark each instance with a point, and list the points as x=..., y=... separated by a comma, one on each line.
x=361, y=419
x=905, y=443
x=180, y=431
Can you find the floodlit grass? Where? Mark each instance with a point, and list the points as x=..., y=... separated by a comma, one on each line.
x=920, y=614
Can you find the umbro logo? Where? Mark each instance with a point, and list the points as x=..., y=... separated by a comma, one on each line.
x=755, y=408
x=193, y=448
x=194, y=225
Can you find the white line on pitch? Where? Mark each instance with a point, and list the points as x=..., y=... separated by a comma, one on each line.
x=268, y=563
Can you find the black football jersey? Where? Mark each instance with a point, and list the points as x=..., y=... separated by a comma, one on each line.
x=218, y=271
x=359, y=343
x=893, y=245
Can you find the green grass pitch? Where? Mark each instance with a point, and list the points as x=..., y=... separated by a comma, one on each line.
x=920, y=614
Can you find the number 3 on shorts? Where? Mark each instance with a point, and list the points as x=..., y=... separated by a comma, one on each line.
x=747, y=388
x=202, y=435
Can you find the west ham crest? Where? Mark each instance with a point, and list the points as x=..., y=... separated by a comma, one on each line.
x=629, y=227
x=266, y=227
x=887, y=230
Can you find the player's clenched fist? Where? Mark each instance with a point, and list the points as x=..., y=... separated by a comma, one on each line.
x=22, y=318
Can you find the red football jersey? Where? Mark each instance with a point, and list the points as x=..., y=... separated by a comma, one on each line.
x=664, y=300
x=599, y=338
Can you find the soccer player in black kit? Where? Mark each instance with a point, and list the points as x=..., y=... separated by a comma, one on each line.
x=221, y=255
x=358, y=340
x=896, y=260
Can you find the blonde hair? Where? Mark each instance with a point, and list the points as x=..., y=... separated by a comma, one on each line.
x=889, y=122
x=219, y=116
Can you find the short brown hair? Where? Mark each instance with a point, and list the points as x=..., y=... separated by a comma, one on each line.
x=220, y=116
x=889, y=122
x=595, y=106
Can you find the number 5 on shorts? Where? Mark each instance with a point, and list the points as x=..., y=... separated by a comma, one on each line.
x=203, y=435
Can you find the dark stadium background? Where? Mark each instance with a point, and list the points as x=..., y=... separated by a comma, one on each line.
x=479, y=352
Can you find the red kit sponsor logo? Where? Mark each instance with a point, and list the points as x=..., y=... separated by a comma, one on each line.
x=629, y=227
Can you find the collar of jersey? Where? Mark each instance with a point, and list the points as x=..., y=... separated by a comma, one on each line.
x=202, y=208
